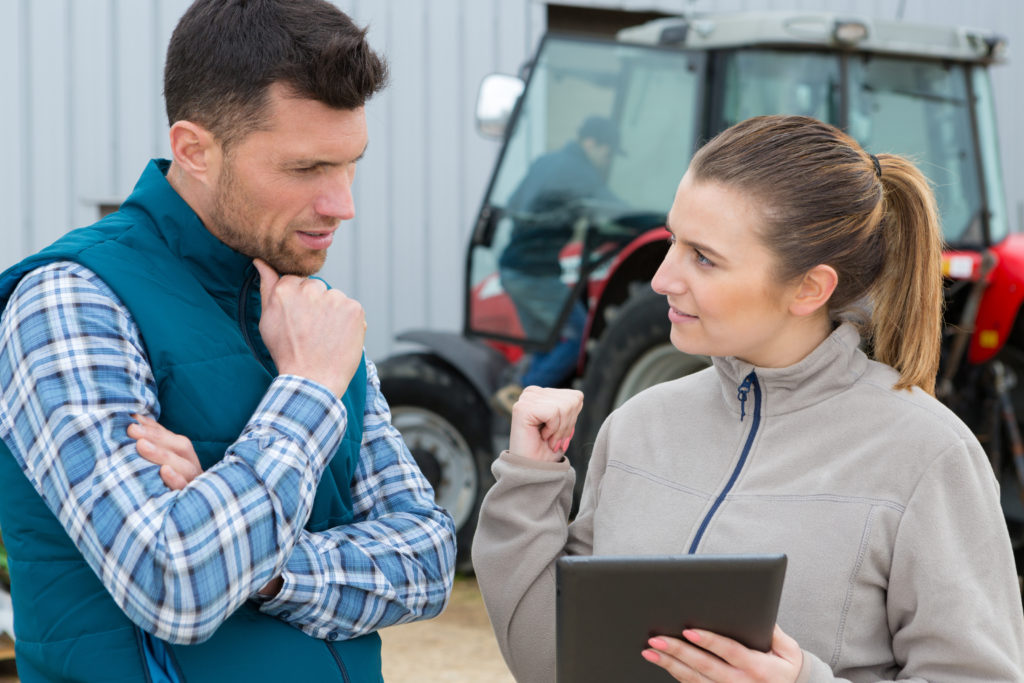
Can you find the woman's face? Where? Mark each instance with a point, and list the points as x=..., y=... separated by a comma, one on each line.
x=718, y=278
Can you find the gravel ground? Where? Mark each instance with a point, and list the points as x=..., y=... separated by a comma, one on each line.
x=456, y=647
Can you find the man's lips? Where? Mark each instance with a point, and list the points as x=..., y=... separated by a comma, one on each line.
x=316, y=239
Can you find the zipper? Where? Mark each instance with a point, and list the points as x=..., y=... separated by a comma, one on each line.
x=741, y=394
x=339, y=662
x=243, y=299
x=243, y=322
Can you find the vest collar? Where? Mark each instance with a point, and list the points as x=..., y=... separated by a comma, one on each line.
x=220, y=268
x=826, y=371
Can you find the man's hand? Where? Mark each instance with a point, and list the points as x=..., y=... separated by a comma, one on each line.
x=714, y=658
x=173, y=452
x=178, y=464
x=311, y=331
x=543, y=421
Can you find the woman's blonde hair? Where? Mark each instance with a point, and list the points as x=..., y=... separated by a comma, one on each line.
x=873, y=219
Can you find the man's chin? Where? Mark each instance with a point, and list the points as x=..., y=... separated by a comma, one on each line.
x=291, y=264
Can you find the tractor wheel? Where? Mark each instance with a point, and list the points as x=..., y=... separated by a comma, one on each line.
x=634, y=353
x=445, y=424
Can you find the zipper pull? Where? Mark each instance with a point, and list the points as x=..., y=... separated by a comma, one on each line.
x=741, y=394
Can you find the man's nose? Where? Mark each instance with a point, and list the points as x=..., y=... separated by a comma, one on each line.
x=335, y=198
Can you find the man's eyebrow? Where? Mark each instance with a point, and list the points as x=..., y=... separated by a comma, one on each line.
x=311, y=161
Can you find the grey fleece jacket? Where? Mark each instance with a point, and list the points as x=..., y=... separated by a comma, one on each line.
x=900, y=564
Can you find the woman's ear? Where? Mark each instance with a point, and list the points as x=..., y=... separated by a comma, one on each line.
x=195, y=151
x=814, y=290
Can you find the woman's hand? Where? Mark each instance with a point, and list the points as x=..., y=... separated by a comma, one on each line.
x=173, y=452
x=734, y=663
x=543, y=421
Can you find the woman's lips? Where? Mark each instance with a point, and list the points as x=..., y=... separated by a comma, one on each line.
x=677, y=316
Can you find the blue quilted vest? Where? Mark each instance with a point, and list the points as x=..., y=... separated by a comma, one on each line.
x=196, y=303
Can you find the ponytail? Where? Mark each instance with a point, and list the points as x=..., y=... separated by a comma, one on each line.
x=907, y=297
x=874, y=220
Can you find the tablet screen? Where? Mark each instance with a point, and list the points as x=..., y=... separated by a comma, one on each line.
x=607, y=608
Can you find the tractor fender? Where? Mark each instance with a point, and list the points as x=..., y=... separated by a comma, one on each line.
x=1001, y=302
x=636, y=262
x=482, y=366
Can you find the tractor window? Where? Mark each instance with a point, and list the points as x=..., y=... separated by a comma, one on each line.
x=998, y=225
x=603, y=134
x=759, y=82
x=920, y=109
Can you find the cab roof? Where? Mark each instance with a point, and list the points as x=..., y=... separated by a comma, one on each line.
x=827, y=30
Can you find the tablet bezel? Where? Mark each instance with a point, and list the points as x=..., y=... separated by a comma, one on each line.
x=607, y=608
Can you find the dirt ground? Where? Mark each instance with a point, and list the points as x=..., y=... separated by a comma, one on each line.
x=456, y=647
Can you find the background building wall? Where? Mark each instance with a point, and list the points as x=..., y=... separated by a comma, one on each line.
x=82, y=108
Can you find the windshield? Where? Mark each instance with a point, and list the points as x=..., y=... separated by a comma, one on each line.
x=919, y=109
x=603, y=135
x=922, y=110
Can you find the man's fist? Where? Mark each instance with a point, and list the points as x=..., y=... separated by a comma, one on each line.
x=311, y=331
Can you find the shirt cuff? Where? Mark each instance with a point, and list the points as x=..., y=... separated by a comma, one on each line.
x=304, y=412
x=522, y=461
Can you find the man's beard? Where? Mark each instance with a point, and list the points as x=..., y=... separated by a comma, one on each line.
x=233, y=220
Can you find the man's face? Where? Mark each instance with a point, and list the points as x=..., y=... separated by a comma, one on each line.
x=282, y=191
x=599, y=153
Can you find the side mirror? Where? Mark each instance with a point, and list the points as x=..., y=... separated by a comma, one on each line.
x=495, y=102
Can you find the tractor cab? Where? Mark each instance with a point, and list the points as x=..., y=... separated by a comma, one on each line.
x=662, y=89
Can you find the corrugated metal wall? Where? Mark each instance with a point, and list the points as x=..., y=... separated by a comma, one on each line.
x=81, y=82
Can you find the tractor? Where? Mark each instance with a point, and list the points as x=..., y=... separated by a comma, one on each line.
x=667, y=86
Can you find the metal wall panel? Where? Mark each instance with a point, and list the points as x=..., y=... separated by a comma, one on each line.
x=15, y=227
x=85, y=79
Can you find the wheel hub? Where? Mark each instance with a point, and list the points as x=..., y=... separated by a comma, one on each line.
x=443, y=456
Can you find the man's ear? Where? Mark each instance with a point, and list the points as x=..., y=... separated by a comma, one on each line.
x=195, y=151
x=814, y=290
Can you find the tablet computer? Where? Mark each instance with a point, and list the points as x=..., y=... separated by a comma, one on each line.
x=607, y=608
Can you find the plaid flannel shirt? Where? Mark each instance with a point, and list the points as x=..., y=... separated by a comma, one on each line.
x=178, y=563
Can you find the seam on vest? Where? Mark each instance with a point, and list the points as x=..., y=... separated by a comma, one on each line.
x=861, y=553
x=211, y=359
x=619, y=465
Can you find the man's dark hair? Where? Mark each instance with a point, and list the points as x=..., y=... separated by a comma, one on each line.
x=225, y=54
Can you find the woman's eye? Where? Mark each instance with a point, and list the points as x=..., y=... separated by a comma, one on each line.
x=702, y=259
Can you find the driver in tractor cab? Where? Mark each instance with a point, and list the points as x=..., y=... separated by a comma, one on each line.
x=546, y=209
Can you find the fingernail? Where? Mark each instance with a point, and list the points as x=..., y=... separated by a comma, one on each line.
x=657, y=643
x=691, y=635
x=651, y=656
x=565, y=444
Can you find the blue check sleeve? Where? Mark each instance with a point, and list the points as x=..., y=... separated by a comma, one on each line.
x=394, y=564
x=178, y=563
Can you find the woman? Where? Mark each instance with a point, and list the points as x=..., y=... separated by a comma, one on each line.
x=900, y=566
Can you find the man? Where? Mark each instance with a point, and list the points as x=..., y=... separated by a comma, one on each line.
x=545, y=208
x=310, y=526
